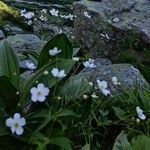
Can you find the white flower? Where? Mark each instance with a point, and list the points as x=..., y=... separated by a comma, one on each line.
x=85, y=96
x=30, y=65
x=91, y=84
x=140, y=113
x=44, y=11
x=54, y=12
x=102, y=85
x=106, y=92
x=16, y=124
x=29, y=22
x=87, y=15
x=54, y=51
x=56, y=73
x=67, y=16
x=43, y=18
x=89, y=63
x=39, y=93
x=94, y=95
x=28, y=15
x=75, y=58
x=23, y=11
x=115, y=81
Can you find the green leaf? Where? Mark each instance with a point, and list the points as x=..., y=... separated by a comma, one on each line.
x=65, y=112
x=75, y=88
x=8, y=93
x=62, y=43
x=139, y=143
x=121, y=142
x=62, y=142
x=9, y=64
x=49, y=80
x=86, y=147
x=119, y=112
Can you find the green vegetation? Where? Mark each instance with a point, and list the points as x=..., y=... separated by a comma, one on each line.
x=69, y=117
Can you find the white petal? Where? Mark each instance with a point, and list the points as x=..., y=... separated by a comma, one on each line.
x=142, y=116
x=22, y=121
x=104, y=84
x=45, y=91
x=34, y=97
x=13, y=129
x=40, y=87
x=9, y=122
x=62, y=74
x=19, y=131
x=105, y=92
x=33, y=90
x=55, y=72
x=16, y=116
x=41, y=98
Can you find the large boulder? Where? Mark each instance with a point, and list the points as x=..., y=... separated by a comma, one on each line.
x=129, y=78
x=2, y=36
x=25, y=42
x=102, y=27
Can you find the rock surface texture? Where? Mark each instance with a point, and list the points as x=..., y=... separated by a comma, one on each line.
x=108, y=22
x=2, y=36
x=24, y=42
x=128, y=76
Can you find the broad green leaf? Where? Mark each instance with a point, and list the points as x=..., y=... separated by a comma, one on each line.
x=49, y=80
x=62, y=142
x=8, y=93
x=119, y=112
x=121, y=142
x=9, y=64
x=86, y=147
x=65, y=112
x=75, y=88
x=62, y=43
x=141, y=142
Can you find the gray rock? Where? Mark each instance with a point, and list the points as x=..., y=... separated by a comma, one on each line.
x=13, y=30
x=128, y=76
x=134, y=21
x=2, y=36
x=24, y=42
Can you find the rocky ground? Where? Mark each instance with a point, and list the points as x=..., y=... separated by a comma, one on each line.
x=103, y=29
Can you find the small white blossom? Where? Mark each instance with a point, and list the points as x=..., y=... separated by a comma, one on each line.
x=87, y=15
x=102, y=85
x=140, y=113
x=45, y=72
x=30, y=65
x=59, y=74
x=90, y=83
x=54, y=12
x=39, y=93
x=43, y=18
x=16, y=124
x=115, y=81
x=23, y=11
x=75, y=58
x=89, y=63
x=85, y=96
x=27, y=15
x=54, y=51
x=29, y=22
x=94, y=95
x=44, y=11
